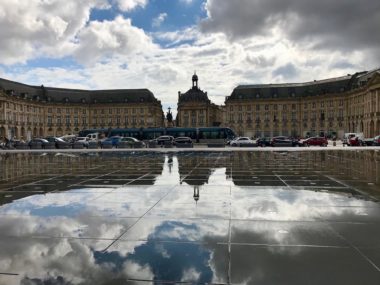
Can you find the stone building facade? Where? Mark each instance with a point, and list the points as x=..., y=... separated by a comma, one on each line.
x=37, y=111
x=329, y=107
x=196, y=110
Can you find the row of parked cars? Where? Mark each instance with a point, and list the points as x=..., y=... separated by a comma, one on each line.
x=357, y=139
x=278, y=141
x=117, y=141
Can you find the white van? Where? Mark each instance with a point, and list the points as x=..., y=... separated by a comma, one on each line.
x=93, y=137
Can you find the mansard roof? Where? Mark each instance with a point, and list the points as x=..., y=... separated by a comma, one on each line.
x=294, y=90
x=65, y=95
x=194, y=94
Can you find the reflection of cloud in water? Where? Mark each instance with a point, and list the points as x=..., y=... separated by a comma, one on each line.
x=287, y=205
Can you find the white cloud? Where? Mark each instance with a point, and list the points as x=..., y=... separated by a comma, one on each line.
x=34, y=28
x=159, y=20
x=100, y=40
x=117, y=54
x=128, y=5
x=188, y=2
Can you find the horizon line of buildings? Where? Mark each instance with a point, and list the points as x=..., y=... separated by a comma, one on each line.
x=328, y=107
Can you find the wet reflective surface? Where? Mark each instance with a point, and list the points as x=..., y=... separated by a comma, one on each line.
x=225, y=218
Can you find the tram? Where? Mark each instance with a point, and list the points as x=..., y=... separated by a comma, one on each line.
x=196, y=134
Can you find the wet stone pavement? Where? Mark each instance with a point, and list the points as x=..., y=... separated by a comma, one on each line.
x=223, y=218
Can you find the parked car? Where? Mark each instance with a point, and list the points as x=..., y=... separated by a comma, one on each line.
x=376, y=141
x=69, y=138
x=348, y=136
x=284, y=141
x=243, y=141
x=164, y=139
x=355, y=141
x=59, y=143
x=83, y=140
x=132, y=141
x=43, y=142
x=321, y=141
x=111, y=141
x=182, y=140
x=265, y=141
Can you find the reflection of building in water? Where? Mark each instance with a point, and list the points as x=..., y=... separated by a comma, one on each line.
x=358, y=169
x=196, y=195
x=18, y=169
x=195, y=169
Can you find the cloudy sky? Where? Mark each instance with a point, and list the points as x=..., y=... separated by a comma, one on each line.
x=157, y=44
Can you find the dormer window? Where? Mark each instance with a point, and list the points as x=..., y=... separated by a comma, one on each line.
x=257, y=95
x=141, y=99
x=83, y=100
x=66, y=100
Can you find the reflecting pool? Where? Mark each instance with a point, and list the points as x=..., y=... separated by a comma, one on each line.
x=192, y=217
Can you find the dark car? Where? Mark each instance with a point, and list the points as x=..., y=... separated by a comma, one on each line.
x=59, y=143
x=37, y=141
x=376, y=141
x=372, y=141
x=263, y=142
x=320, y=141
x=131, y=142
x=164, y=140
x=284, y=141
x=182, y=140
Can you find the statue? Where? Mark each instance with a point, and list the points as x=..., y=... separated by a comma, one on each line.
x=169, y=116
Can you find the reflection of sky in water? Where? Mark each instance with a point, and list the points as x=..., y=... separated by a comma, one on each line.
x=181, y=225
